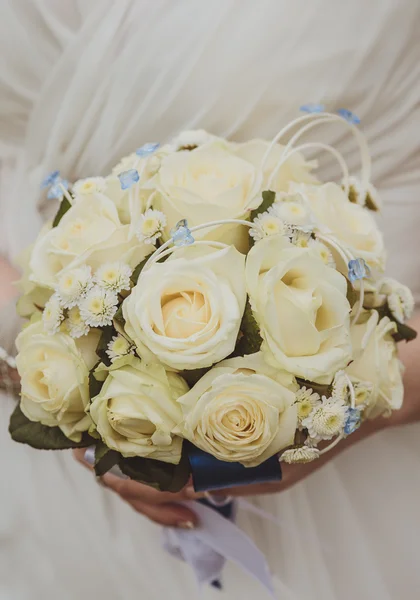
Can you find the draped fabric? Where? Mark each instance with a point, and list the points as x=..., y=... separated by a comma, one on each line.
x=83, y=83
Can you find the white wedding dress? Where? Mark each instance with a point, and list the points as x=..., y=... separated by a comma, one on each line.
x=85, y=82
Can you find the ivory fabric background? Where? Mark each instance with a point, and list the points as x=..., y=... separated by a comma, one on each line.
x=84, y=82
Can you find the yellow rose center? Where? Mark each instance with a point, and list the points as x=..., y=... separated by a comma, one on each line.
x=184, y=314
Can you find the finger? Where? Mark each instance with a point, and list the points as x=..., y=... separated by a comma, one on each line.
x=80, y=455
x=129, y=489
x=171, y=515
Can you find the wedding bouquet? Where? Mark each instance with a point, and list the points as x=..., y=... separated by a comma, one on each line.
x=212, y=308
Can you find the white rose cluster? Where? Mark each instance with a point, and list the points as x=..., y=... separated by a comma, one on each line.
x=214, y=292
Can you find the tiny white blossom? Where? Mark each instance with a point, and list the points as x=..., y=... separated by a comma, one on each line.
x=302, y=455
x=267, y=224
x=114, y=276
x=119, y=347
x=76, y=325
x=323, y=252
x=52, y=315
x=191, y=139
x=363, y=391
x=340, y=386
x=306, y=401
x=399, y=297
x=300, y=238
x=91, y=185
x=72, y=285
x=293, y=208
x=327, y=419
x=98, y=307
x=150, y=226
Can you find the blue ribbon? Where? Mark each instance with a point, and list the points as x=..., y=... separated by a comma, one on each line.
x=209, y=473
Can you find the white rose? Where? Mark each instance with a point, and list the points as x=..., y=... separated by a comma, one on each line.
x=187, y=310
x=242, y=410
x=376, y=362
x=89, y=233
x=136, y=411
x=207, y=184
x=295, y=168
x=301, y=307
x=54, y=371
x=351, y=224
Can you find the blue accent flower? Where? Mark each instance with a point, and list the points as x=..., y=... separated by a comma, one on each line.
x=50, y=179
x=353, y=421
x=128, y=178
x=181, y=234
x=358, y=269
x=56, y=190
x=147, y=149
x=348, y=116
x=312, y=108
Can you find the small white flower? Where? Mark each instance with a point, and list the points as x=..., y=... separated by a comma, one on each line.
x=267, y=224
x=91, y=185
x=76, y=325
x=340, y=386
x=399, y=297
x=98, y=307
x=52, y=315
x=293, y=208
x=371, y=198
x=73, y=285
x=191, y=139
x=323, y=252
x=327, y=419
x=302, y=455
x=114, y=276
x=300, y=238
x=119, y=347
x=363, y=392
x=150, y=226
x=306, y=400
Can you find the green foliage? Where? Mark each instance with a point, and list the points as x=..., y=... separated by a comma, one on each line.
x=40, y=436
x=95, y=386
x=64, y=207
x=249, y=339
x=105, y=459
x=136, y=273
x=194, y=375
x=404, y=332
x=319, y=388
x=268, y=198
x=119, y=319
x=106, y=336
x=162, y=476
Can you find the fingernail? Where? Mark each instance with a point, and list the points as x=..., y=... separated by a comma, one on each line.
x=90, y=455
x=191, y=493
x=186, y=525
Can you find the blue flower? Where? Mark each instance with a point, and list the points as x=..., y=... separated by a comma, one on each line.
x=57, y=189
x=348, y=116
x=147, y=149
x=358, y=269
x=181, y=234
x=128, y=178
x=50, y=179
x=353, y=421
x=312, y=108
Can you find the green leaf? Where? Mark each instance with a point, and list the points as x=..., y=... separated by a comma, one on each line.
x=118, y=317
x=105, y=459
x=108, y=333
x=319, y=388
x=64, y=207
x=194, y=375
x=95, y=386
x=268, y=198
x=136, y=273
x=40, y=436
x=162, y=476
x=404, y=332
x=249, y=339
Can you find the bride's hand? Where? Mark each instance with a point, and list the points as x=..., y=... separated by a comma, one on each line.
x=161, y=507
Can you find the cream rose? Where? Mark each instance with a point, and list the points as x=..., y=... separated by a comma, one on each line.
x=207, y=184
x=187, y=310
x=242, y=410
x=294, y=169
x=301, y=307
x=54, y=371
x=89, y=233
x=136, y=411
x=351, y=224
x=376, y=362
